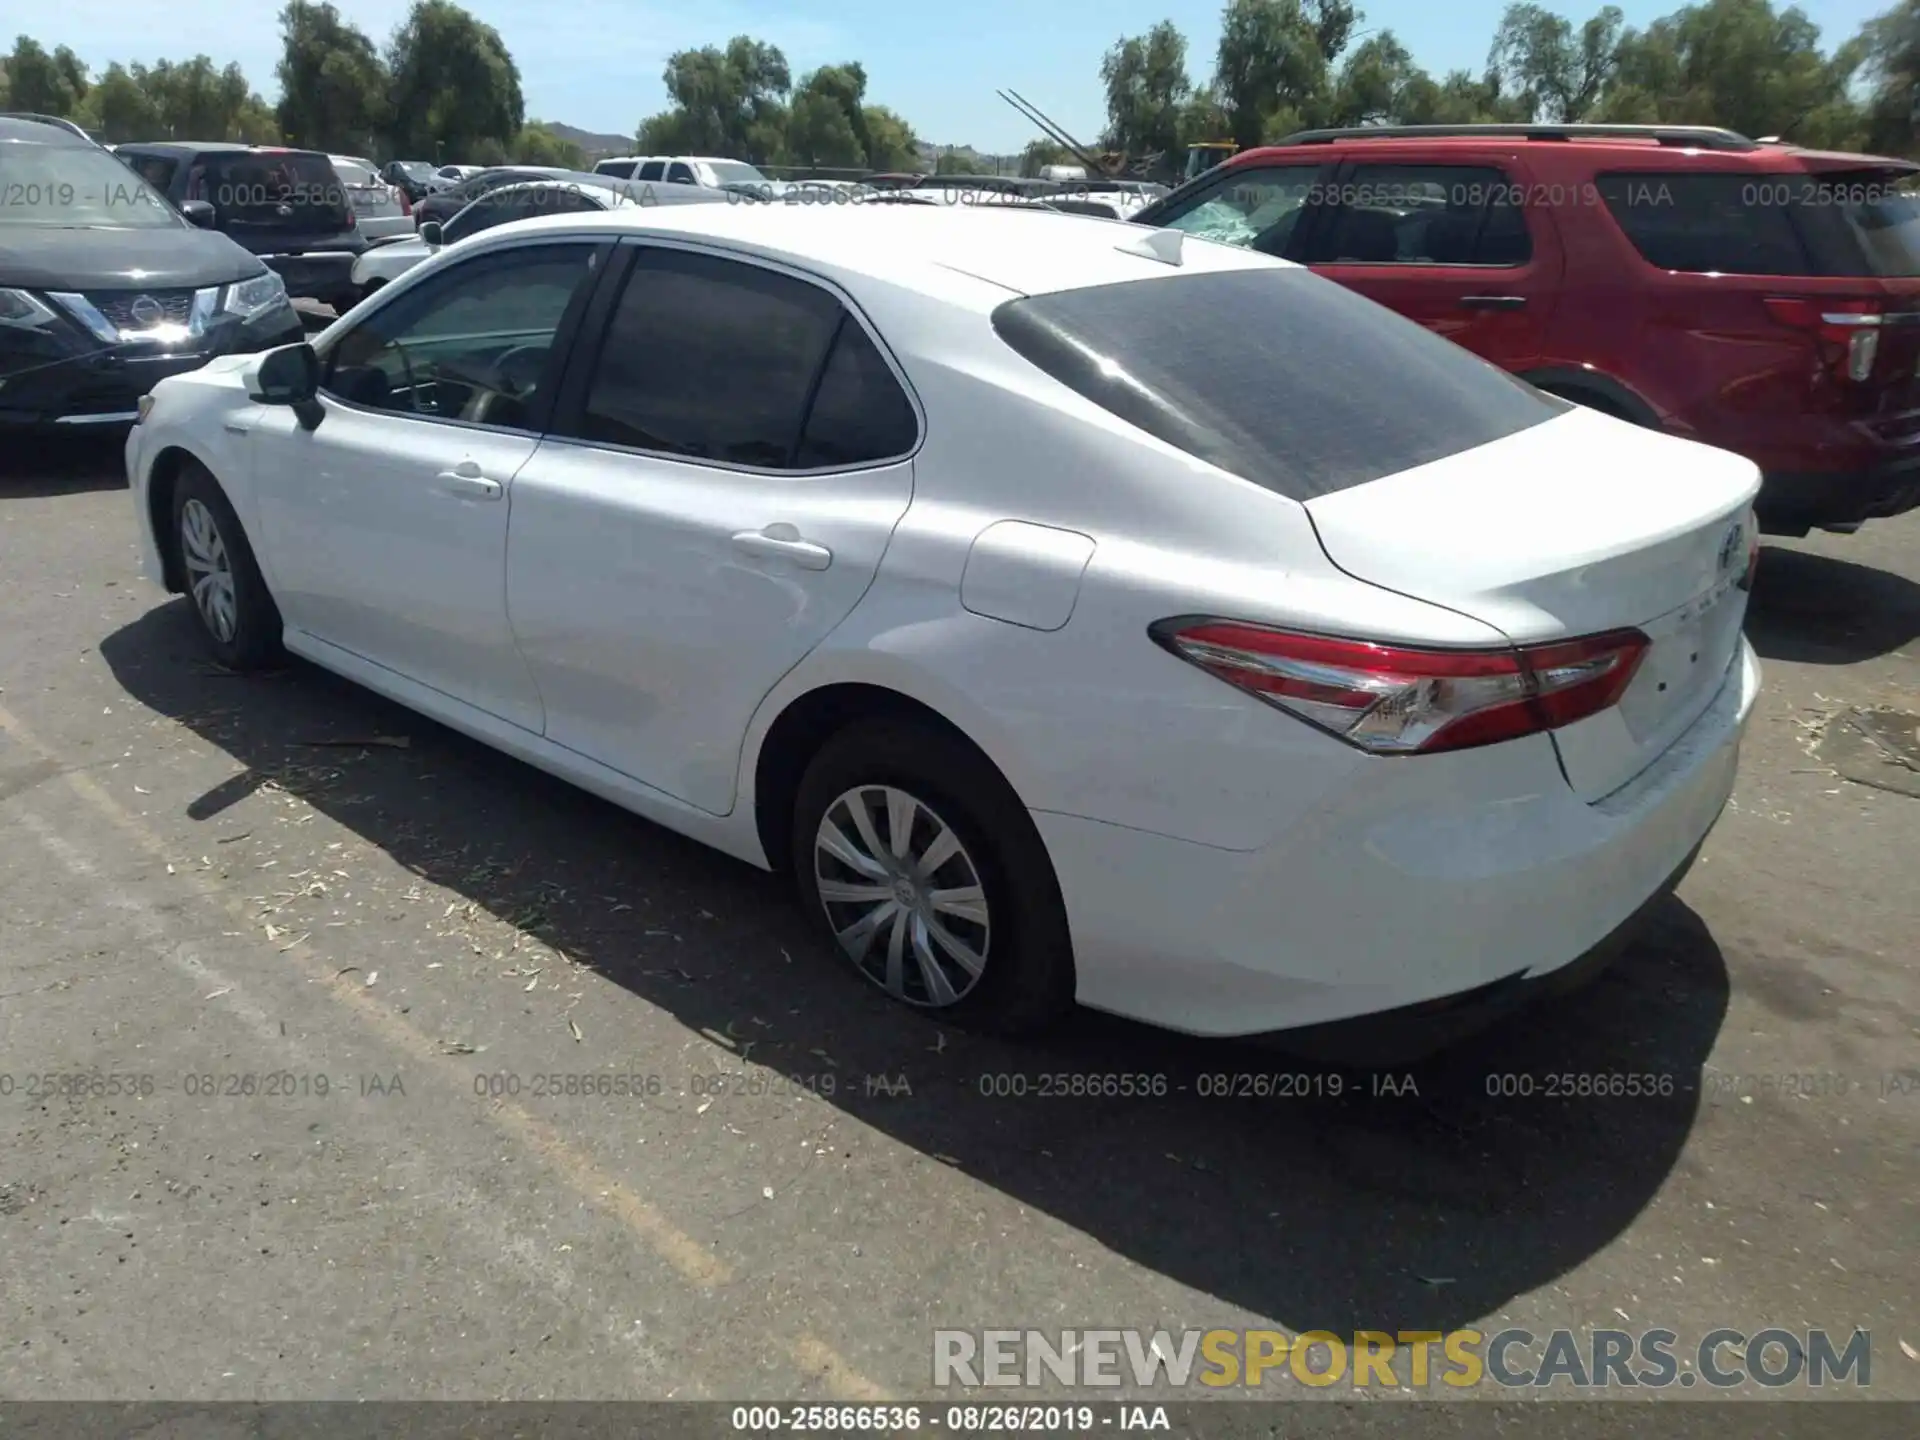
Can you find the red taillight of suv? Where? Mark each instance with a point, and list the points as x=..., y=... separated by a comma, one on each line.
x=406, y=203
x=1851, y=327
x=1394, y=700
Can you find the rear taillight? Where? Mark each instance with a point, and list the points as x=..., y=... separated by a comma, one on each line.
x=1848, y=329
x=1393, y=700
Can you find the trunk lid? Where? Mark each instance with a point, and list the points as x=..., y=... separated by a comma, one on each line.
x=1581, y=525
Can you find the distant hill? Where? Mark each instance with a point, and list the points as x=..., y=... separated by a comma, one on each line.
x=596, y=145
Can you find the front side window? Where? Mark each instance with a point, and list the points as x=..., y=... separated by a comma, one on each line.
x=709, y=359
x=680, y=174
x=1253, y=208
x=472, y=344
x=1424, y=215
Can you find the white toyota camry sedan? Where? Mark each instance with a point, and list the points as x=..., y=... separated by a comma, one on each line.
x=1078, y=613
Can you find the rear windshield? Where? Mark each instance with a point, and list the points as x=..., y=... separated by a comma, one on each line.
x=1275, y=375
x=282, y=190
x=735, y=172
x=1835, y=223
x=352, y=172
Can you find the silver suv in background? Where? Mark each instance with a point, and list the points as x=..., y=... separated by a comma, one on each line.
x=379, y=209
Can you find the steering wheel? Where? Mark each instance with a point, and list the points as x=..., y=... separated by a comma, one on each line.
x=512, y=376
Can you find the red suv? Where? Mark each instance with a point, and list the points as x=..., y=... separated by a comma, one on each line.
x=1751, y=295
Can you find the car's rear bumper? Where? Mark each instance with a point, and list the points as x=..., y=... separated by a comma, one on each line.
x=1432, y=877
x=1794, y=502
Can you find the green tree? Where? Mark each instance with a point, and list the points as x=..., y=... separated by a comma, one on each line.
x=196, y=100
x=1891, y=67
x=891, y=143
x=46, y=84
x=454, y=85
x=957, y=160
x=333, y=84
x=1375, y=82
x=1147, y=87
x=118, y=108
x=536, y=144
x=1740, y=64
x=1553, y=72
x=729, y=102
x=827, y=124
x=1460, y=98
x=1044, y=152
x=1274, y=59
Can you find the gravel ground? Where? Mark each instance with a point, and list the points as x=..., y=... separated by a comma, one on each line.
x=330, y=949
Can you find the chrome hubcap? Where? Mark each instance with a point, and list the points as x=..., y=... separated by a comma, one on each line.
x=902, y=894
x=209, y=571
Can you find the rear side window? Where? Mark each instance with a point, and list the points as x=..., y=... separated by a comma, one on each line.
x=1275, y=375
x=652, y=170
x=1707, y=222
x=859, y=413
x=619, y=169
x=282, y=190
x=709, y=359
x=156, y=170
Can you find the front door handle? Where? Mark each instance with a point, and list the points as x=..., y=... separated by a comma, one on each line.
x=468, y=482
x=1493, y=302
x=783, y=542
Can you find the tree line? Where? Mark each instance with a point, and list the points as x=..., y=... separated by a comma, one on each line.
x=1287, y=65
x=445, y=87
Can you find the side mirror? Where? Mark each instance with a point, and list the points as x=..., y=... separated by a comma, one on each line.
x=288, y=376
x=433, y=233
x=198, y=212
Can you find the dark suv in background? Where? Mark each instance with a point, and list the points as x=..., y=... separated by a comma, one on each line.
x=289, y=207
x=1752, y=295
x=105, y=288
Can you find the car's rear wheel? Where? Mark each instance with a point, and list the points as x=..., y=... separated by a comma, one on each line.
x=917, y=857
x=230, y=600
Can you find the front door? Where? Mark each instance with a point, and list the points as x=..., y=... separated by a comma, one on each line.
x=715, y=498
x=386, y=524
x=1454, y=247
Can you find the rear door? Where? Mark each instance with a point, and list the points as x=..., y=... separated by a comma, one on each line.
x=1454, y=247
x=721, y=479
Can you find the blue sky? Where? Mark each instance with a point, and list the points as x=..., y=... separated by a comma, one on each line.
x=596, y=63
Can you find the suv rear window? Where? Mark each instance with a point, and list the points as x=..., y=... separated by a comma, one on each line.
x=1837, y=223
x=1275, y=375
x=282, y=190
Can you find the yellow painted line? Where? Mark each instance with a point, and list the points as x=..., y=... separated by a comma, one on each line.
x=693, y=1261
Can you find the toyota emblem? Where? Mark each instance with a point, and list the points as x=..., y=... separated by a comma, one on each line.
x=148, y=311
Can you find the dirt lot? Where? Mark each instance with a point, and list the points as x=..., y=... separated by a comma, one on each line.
x=325, y=984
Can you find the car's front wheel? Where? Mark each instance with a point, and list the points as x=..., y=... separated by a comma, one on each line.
x=925, y=869
x=230, y=600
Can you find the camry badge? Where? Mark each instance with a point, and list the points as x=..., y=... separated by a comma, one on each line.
x=1730, y=547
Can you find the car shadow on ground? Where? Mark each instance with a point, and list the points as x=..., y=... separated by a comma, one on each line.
x=1820, y=610
x=1430, y=1209
x=44, y=465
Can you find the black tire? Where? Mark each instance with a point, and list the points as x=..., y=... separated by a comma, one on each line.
x=254, y=641
x=1026, y=982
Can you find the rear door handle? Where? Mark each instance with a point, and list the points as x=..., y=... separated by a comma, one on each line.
x=783, y=542
x=1493, y=302
x=466, y=481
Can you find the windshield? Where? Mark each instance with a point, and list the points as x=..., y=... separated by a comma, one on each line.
x=352, y=172
x=276, y=189
x=735, y=172
x=1214, y=364
x=73, y=187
